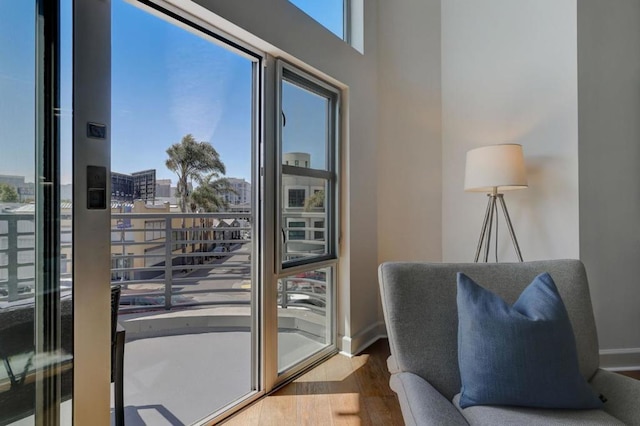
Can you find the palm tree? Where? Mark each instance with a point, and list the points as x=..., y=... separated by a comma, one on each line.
x=207, y=197
x=194, y=160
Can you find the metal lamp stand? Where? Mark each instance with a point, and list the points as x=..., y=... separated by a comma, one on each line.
x=485, y=234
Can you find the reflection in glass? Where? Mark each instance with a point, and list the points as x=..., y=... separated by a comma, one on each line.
x=304, y=315
x=25, y=368
x=304, y=131
x=17, y=220
x=304, y=217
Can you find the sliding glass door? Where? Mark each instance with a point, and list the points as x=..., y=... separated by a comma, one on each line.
x=146, y=151
x=36, y=356
x=183, y=223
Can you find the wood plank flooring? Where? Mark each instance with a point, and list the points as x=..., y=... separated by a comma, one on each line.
x=634, y=374
x=341, y=391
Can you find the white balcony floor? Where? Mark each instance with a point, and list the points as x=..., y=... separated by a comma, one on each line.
x=180, y=379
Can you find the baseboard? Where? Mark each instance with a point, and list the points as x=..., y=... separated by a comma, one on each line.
x=364, y=338
x=620, y=359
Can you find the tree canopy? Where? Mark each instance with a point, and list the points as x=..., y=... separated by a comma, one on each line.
x=314, y=201
x=207, y=196
x=8, y=193
x=198, y=161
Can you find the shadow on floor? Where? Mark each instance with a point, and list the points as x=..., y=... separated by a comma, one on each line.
x=132, y=415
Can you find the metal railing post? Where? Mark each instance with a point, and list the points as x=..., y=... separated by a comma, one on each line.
x=12, y=257
x=285, y=284
x=168, y=263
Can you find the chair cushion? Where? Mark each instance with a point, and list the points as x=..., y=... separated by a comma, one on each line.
x=520, y=355
x=500, y=415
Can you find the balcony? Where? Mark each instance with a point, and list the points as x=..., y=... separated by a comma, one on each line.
x=186, y=304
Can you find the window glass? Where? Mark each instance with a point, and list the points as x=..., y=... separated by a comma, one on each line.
x=304, y=206
x=304, y=130
x=296, y=197
x=307, y=202
x=183, y=116
x=328, y=13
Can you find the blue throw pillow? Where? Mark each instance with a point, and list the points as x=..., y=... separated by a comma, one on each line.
x=522, y=355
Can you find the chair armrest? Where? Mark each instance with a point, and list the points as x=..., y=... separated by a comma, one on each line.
x=392, y=365
x=422, y=404
x=622, y=393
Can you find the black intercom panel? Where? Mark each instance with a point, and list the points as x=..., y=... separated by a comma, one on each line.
x=96, y=188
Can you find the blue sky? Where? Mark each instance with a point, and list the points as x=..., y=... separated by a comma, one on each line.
x=166, y=82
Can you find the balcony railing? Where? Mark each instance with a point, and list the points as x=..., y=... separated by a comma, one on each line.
x=167, y=261
x=170, y=260
x=17, y=256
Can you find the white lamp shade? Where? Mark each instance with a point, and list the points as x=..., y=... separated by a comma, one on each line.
x=499, y=167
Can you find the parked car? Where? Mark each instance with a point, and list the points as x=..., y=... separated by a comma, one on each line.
x=219, y=250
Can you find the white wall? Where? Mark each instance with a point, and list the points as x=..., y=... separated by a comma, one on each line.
x=609, y=129
x=410, y=147
x=279, y=28
x=509, y=75
x=441, y=77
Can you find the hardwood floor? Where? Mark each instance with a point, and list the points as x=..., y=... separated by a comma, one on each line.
x=340, y=391
x=634, y=374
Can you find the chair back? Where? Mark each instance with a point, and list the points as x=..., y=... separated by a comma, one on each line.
x=116, y=290
x=420, y=310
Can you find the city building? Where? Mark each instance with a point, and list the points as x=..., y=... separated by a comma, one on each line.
x=303, y=209
x=121, y=187
x=135, y=186
x=421, y=83
x=144, y=185
x=240, y=192
x=163, y=188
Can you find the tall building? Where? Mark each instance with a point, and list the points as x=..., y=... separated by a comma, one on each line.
x=163, y=188
x=136, y=186
x=240, y=194
x=144, y=185
x=121, y=187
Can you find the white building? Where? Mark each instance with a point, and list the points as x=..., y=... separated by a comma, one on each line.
x=304, y=212
x=241, y=193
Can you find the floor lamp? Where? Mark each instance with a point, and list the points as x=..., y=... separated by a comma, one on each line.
x=494, y=169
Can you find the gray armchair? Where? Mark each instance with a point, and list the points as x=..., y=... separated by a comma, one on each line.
x=419, y=302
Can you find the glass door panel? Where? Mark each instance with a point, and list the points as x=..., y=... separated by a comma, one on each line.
x=182, y=215
x=304, y=316
x=36, y=355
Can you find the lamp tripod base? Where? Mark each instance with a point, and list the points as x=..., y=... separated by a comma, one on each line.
x=485, y=234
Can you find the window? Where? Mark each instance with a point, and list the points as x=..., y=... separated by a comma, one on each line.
x=296, y=198
x=154, y=230
x=307, y=197
x=328, y=13
x=297, y=234
x=318, y=235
